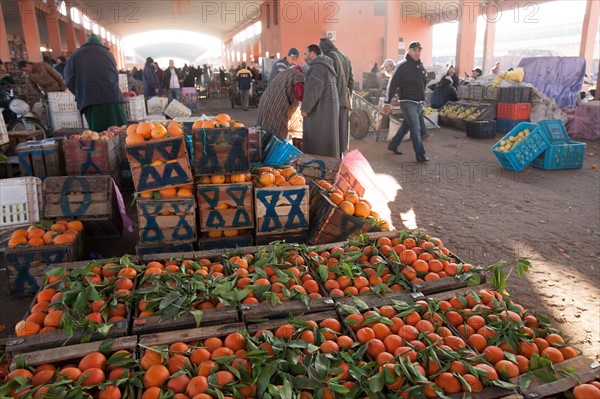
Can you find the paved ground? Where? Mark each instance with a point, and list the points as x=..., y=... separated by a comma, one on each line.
x=481, y=212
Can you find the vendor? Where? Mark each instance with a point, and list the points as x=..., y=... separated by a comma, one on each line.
x=451, y=71
x=444, y=91
x=386, y=73
x=477, y=72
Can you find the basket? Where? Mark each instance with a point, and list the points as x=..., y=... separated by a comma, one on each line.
x=280, y=152
x=136, y=108
x=61, y=101
x=506, y=125
x=20, y=201
x=517, y=94
x=481, y=129
x=3, y=132
x=514, y=110
x=524, y=153
x=156, y=105
x=66, y=120
x=476, y=92
x=463, y=92
x=175, y=109
x=562, y=153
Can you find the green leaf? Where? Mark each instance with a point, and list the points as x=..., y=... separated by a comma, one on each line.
x=349, y=309
x=525, y=381
x=544, y=375
x=264, y=378
x=286, y=391
x=337, y=388
x=197, y=316
x=360, y=303
x=523, y=266
x=377, y=382
x=503, y=384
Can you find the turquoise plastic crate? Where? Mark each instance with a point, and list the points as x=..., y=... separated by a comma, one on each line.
x=554, y=130
x=280, y=152
x=526, y=152
x=568, y=155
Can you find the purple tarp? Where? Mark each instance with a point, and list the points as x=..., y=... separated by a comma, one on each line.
x=559, y=78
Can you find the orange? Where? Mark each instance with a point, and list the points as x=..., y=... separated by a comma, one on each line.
x=132, y=129
x=155, y=376
x=365, y=334
x=24, y=328
x=235, y=341
x=159, y=131
x=586, y=391
x=362, y=209
x=134, y=138
x=75, y=225
x=110, y=392
x=507, y=369
x=223, y=118
x=92, y=376
x=449, y=383
x=63, y=239
x=92, y=360
x=197, y=385
x=347, y=207
x=174, y=130
x=145, y=130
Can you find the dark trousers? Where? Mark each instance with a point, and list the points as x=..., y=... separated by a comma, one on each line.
x=344, y=135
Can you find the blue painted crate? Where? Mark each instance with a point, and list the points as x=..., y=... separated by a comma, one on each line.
x=526, y=151
x=567, y=155
x=506, y=125
x=280, y=152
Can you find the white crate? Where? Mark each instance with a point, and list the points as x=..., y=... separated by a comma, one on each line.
x=136, y=108
x=61, y=101
x=155, y=117
x=157, y=105
x=66, y=120
x=20, y=201
x=176, y=109
x=3, y=132
x=123, y=85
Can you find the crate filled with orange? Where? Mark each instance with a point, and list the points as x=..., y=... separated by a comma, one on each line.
x=91, y=153
x=184, y=293
x=276, y=281
x=75, y=304
x=102, y=370
x=31, y=249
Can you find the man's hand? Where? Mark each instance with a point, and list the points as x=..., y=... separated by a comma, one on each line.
x=304, y=114
x=386, y=109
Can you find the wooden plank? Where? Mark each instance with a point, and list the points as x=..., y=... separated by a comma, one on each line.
x=61, y=354
x=442, y=285
x=239, y=199
x=272, y=324
x=175, y=169
x=208, y=243
x=260, y=311
x=166, y=220
x=67, y=198
x=91, y=210
x=90, y=156
x=297, y=237
x=443, y=296
x=318, y=168
x=218, y=151
x=210, y=317
x=192, y=334
x=143, y=250
x=376, y=301
x=281, y=209
x=78, y=184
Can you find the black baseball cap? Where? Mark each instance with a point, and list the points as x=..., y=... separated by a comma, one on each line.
x=414, y=45
x=23, y=64
x=294, y=52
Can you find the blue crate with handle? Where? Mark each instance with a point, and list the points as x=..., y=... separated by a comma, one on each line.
x=561, y=153
x=279, y=152
x=524, y=153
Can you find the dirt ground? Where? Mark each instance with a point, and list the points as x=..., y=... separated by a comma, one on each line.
x=481, y=212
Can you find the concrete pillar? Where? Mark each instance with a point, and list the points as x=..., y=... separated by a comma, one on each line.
x=82, y=35
x=30, y=30
x=4, y=51
x=393, y=17
x=467, y=32
x=588, y=33
x=70, y=35
x=491, y=17
x=52, y=18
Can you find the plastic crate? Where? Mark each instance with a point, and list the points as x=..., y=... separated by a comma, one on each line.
x=526, y=151
x=481, y=129
x=156, y=105
x=123, y=83
x=280, y=152
x=514, y=110
x=3, y=132
x=176, y=109
x=20, y=201
x=61, y=101
x=567, y=155
x=554, y=130
x=136, y=108
x=517, y=94
x=66, y=120
x=506, y=125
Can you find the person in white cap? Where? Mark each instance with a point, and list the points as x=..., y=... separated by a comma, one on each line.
x=386, y=73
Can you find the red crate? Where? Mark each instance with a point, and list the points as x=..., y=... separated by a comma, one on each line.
x=514, y=111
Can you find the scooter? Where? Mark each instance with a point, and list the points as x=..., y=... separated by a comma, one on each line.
x=16, y=112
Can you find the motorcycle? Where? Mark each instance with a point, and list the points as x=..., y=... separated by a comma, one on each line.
x=16, y=112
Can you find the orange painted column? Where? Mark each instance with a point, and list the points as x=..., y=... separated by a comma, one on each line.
x=393, y=18
x=70, y=35
x=465, y=41
x=52, y=18
x=30, y=29
x=4, y=51
x=82, y=36
x=490, y=13
x=588, y=33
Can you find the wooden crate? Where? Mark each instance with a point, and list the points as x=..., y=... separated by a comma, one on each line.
x=151, y=249
x=376, y=301
x=331, y=224
x=218, y=151
x=297, y=237
x=175, y=170
x=261, y=311
x=210, y=317
x=347, y=181
x=255, y=145
x=80, y=197
x=40, y=159
x=28, y=265
x=319, y=168
x=273, y=324
x=166, y=221
x=239, y=199
x=90, y=157
x=281, y=209
x=16, y=137
x=58, y=355
x=210, y=243
x=190, y=335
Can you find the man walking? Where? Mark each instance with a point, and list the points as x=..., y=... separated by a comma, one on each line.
x=150, y=79
x=409, y=82
x=172, y=78
x=344, y=84
x=244, y=81
x=320, y=106
x=284, y=63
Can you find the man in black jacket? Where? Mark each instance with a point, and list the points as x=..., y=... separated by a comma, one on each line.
x=408, y=82
x=172, y=78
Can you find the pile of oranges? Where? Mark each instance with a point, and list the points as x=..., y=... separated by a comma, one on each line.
x=267, y=176
x=221, y=121
x=186, y=190
x=224, y=179
x=61, y=232
x=352, y=204
x=228, y=232
x=140, y=132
